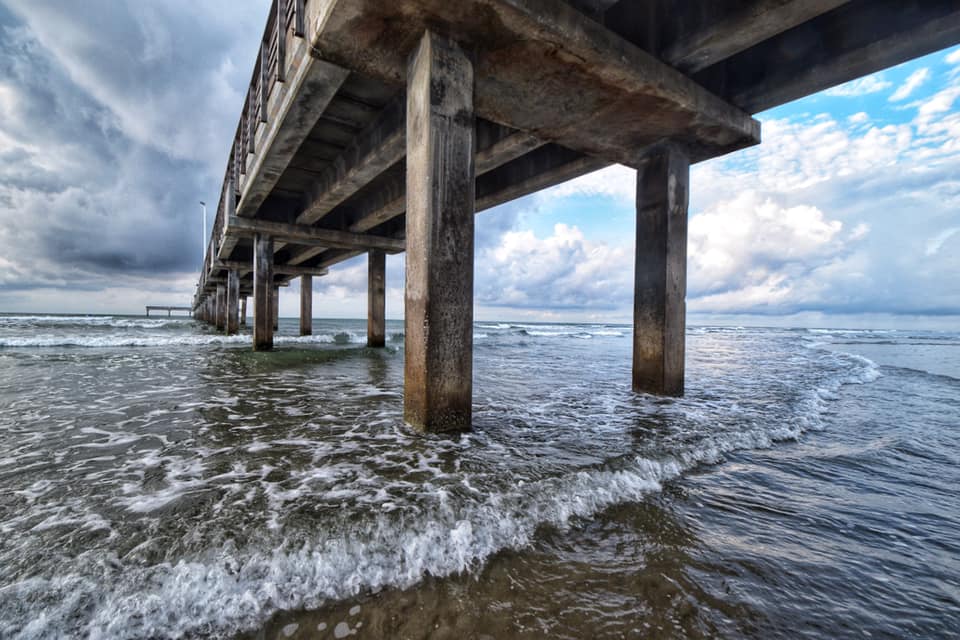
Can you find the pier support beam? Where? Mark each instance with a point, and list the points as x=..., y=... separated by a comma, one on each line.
x=659, y=307
x=233, y=302
x=306, y=305
x=243, y=311
x=438, y=367
x=221, y=310
x=376, y=298
x=276, y=308
x=262, y=292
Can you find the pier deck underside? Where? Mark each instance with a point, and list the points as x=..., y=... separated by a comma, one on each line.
x=558, y=89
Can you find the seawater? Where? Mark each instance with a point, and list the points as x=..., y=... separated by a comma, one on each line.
x=158, y=480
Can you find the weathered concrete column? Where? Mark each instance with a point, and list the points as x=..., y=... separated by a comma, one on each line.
x=243, y=311
x=233, y=302
x=262, y=292
x=659, y=307
x=221, y=309
x=438, y=367
x=306, y=305
x=376, y=298
x=276, y=308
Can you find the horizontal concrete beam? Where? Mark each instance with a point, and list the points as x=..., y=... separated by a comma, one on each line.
x=379, y=147
x=302, y=100
x=541, y=169
x=282, y=270
x=713, y=31
x=311, y=236
x=544, y=68
x=390, y=201
x=858, y=38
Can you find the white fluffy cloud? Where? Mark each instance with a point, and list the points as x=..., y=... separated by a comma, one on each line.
x=562, y=271
x=861, y=87
x=166, y=72
x=750, y=240
x=911, y=84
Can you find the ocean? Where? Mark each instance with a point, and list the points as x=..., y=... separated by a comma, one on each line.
x=158, y=480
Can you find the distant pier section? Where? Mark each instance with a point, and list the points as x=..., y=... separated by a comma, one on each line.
x=170, y=310
x=375, y=127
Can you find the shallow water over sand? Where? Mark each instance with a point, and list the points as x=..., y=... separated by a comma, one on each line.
x=157, y=480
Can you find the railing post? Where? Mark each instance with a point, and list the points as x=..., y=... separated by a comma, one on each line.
x=299, y=28
x=264, y=78
x=251, y=128
x=281, y=40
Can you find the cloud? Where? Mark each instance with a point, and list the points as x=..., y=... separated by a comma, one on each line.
x=116, y=120
x=913, y=82
x=873, y=83
x=936, y=243
x=167, y=72
x=938, y=104
x=562, y=271
x=751, y=241
x=112, y=128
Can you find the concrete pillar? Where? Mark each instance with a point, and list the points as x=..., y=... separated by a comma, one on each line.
x=276, y=308
x=262, y=292
x=659, y=308
x=306, y=305
x=221, y=310
x=233, y=302
x=243, y=311
x=376, y=298
x=438, y=367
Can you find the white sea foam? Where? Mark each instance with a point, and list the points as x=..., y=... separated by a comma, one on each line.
x=119, y=322
x=236, y=589
x=392, y=541
x=166, y=340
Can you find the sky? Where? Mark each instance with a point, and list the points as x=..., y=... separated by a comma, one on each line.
x=116, y=121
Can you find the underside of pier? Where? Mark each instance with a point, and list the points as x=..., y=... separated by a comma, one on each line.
x=375, y=127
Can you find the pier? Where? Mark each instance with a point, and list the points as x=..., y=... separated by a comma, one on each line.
x=169, y=310
x=374, y=127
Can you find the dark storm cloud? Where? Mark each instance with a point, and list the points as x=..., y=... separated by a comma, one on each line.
x=115, y=121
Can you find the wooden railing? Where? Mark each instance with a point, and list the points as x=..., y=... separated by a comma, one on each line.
x=269, y=69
